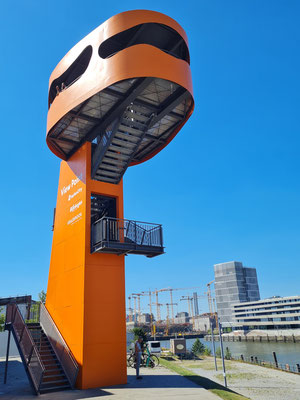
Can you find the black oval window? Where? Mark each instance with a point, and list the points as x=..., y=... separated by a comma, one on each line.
x=158, y=35
x=71, y=75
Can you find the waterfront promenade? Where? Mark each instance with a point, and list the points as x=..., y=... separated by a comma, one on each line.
x=157, y=383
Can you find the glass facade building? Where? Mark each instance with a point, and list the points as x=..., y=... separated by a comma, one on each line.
x=234, y=284
x=273, y=313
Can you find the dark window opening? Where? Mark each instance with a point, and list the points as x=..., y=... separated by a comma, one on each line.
x=158, y=35
x=102, y=206
x=71, y=75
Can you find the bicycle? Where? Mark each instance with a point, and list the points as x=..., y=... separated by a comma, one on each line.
x=147, y=360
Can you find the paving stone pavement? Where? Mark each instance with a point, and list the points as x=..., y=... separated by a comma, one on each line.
x=158, y=383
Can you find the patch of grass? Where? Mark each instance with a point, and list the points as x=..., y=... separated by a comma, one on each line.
x=234, y=377
x=216, y=388
x=210, y=365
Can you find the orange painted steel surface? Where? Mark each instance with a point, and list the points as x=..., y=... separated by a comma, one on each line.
x=141, y=60
x=86, y=292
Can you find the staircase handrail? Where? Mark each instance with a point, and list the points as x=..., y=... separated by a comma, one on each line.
x=59, y=345
x=13, y=312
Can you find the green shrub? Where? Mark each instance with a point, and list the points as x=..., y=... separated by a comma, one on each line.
x=227, y=354
x=207, y=351
x=198, y=347
x=218, y=352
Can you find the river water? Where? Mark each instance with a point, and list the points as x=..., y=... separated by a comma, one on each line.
x=287, y=353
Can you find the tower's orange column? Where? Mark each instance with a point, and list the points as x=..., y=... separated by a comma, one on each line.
x=86, y=292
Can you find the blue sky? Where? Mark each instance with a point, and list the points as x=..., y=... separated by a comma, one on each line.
x=227, y=188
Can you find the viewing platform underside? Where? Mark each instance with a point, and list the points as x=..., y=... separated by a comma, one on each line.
x=126, y=122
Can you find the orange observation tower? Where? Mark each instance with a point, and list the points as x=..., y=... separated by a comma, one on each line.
x=116, y=99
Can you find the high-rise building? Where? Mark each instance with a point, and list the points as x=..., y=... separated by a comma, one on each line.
x=233, y=284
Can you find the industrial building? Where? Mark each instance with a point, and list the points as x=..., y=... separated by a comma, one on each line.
x=202, y=323
x=273, y=313
x=234, y=284
x=182, y=318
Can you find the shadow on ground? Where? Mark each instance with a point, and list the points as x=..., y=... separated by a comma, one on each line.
x=18, y=386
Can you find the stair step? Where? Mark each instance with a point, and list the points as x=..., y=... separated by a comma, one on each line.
x=110, y=167
x=47, y=375
x=53, y=368
x=45, y=350
x=107, y=173
x=54, y=389
x=136, y=115
x=55, y=383
x=50, y=363
x=130, y=138
x=129, y=129
x=121, y=150
x=114, y=161
x=105, y=178
x=123, y=143
x=115, y=155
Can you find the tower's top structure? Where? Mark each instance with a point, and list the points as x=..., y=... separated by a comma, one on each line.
x=126, y=87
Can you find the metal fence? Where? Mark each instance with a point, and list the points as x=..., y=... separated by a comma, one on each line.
x=269, y=364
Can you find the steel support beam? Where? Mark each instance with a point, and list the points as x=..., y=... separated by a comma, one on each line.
x=170, y=103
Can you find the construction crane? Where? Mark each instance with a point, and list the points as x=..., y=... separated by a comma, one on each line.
x=158, y=314
x=134, y=308
x=130, y=309
x=209, y=297
x=171, y=296
x=155, y=292
x=149, y=293
x=139, y=304
x=190, y=304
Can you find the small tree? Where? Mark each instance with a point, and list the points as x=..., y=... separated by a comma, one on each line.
x=198, y=347
x=207, y=351
x=2, y=320
x=227, y=354
x=139, y=332
x=218, y=352
x=42, y=297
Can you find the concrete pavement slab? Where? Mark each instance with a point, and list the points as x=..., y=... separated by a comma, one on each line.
x=158, y=383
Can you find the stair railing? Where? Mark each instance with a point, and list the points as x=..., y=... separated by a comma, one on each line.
x=60, y=347
x=28, y=351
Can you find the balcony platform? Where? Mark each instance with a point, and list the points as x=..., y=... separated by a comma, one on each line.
x=117, y=236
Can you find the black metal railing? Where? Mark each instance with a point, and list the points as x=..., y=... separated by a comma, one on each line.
x=28, y=350
x=60, y=347
x=132, y=235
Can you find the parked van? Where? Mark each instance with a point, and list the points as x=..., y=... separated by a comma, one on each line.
x=154, y=347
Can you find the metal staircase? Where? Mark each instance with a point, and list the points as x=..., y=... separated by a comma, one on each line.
x=48, y=362
x=126, y=123
x=54, y=378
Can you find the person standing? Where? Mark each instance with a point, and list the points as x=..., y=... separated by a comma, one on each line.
x=138, y=356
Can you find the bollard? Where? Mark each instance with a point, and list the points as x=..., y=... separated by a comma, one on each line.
x=275, y=359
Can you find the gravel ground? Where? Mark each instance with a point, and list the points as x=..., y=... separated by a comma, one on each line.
x=252, y=381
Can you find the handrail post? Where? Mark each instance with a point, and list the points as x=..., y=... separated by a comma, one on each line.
x=7, y=355
x=161, y=236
